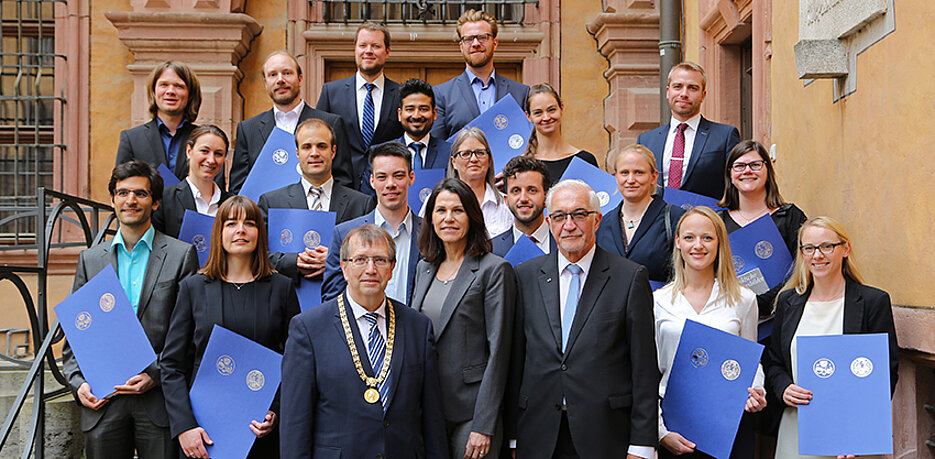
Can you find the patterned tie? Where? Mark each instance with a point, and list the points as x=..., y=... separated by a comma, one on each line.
x=315, y=193
x=571, y=302
x=377, y=351
x=417, y=155
x=367, y=130
x=678, y=157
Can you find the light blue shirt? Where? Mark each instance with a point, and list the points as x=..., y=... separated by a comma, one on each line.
x=485, y=93
x=131, y=266
x=402, y=236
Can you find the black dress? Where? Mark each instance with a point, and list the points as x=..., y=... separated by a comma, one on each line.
x=557, y=167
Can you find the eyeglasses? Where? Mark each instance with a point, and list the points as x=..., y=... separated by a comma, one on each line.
x=826, y=248
x=481, y=37
x=577, y=216
x=125, y=193
x=755, y=166
x=361, y=261
x=466, y=154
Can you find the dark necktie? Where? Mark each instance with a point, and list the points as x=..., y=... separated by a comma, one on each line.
x=377, y=352
x=417, y=155
x=678, y=158
x=367, y=130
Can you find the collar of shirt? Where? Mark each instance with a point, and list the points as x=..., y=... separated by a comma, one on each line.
x=326, y=188
x=406, y=224
x=379, y=83
x=164, y=130
x=203, y=205
x=691, y=122
x=490, y=196
x=541, y=234
x=472, y=78
x=147, y=239
x=362, y=325
x=291, y=117
x=409, y=141
x=584, y=263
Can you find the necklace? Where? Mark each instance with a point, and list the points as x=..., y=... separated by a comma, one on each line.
x=757, y=215
x=371, y=395
x=239, y=286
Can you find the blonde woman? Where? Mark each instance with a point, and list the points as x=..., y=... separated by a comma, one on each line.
x=824, y=296
x=705, y=289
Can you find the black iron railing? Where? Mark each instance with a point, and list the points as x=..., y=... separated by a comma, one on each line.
x=420, y=11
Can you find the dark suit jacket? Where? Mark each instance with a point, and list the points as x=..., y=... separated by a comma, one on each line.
x=346, y=203
x=170, y=262
x=198, y=309
x=437, y=157
x=608, y=374
x=473, y=338
x=324, y=414
x=503, y=242
x=252, y=134
x=334, y=283
x=650, y=246
x=176, y=199
x=144, y=143
x=340, y=97
x=705, y=173
x=457, y=105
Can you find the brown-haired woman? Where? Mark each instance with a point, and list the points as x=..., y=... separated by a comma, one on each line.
x=469, y=293
x=546, y=142
x=238, y=290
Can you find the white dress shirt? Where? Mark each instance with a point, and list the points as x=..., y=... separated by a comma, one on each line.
x=205, y=206
x=425, y=145
x=377, y=95
x=287, y=121
x=363, y=326
x=497, y=216
x=541, y=234
x=689, y=143
x=325, y=198
x=402, y=236
x=739, y=320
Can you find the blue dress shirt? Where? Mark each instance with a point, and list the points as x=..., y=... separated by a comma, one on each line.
x=170, y=142
x=131, y=266
x=485, y=95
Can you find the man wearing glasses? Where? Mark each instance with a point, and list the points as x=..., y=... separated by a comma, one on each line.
x=471, y=93
x=584, y=380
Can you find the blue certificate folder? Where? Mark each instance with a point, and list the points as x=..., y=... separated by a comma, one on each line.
x=850, y=411
x=294, y=230
x=523, y=250
x=761, y=257
x=196, y=230
x=604, y=184
x=707, y=388
x=422, y=186
x=104, y=334
x=168, y=178
x=276, y=166
x=507, y=130
x=687, y=199
x=235, y=384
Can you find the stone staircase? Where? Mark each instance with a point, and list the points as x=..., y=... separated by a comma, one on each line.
x=63, y=439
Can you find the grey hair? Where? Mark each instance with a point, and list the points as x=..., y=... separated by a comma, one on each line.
x=477, y=134
x=594, y=201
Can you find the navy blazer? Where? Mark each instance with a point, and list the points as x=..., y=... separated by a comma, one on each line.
x=324, y=414
x=340, y=97
x=650, y=247
x=252, y=134
x=144, y=143
x=436, y=157
x=334, y=282
x=503, y=242
x=705, y=173
x=457, y=105
x=176, y=199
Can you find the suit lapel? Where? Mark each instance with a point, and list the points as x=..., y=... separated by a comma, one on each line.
x=698, y=146
x=184, y=198
x=468, y=95
x=655, y=206
x=463, y=280
x=853, y=308
x=261, y=292
x=265, y=128
x=350, y=95
x=154, y=143
x=215, y=308
x=549, y=290
x=790, y=322
x=358, y=340
x=389, y=95
x=419, y=290
x=503, y=88
x=658, y=147
x=156, y=260
x=297, y=199
x=396, y=362
x=616, y=229
x=338, y=202
x=181, y=161
x=431, y=152
x=598, y=276
x=413, y=255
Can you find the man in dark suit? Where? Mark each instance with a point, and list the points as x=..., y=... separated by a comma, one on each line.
x=366, y=101
x=585, y=381
x=392, y=176
x=283, y=77
x=150, y=266
x=466, y=96
x=697, y=147
x=316, y=190
x=526, y=181
x=338, y=399
x=174, y=96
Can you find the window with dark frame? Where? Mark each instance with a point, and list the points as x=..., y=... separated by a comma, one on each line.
x=419, y=11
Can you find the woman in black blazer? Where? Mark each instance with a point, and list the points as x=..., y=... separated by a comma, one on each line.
x=642, y=227
x=824, y=296
x=238, y=290
x=205, y=151
x=469, y=293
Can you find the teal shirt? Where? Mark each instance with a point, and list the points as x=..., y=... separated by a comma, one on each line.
x=131, y=266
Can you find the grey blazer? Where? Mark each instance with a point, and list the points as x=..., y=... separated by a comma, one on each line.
x=170, y=262
x=473, y=339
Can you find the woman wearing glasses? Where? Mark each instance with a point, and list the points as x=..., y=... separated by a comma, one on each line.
x=472, y=162
x=238, y=290
x=469, y=293
x=750, y=192
x=546, y=142
x=824, y=296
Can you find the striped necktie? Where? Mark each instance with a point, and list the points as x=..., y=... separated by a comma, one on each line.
x=367, y=129
x=377, y=348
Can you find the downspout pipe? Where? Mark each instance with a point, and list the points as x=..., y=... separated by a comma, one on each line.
x=670, y=49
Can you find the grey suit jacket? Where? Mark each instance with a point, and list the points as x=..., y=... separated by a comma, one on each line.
x=170, y=262
x=473, y=338
x=457, y=105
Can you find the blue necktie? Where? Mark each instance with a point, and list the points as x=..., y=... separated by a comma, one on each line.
x=571, y=302
x=367, y=130
x=376, y=354
x=417, y=155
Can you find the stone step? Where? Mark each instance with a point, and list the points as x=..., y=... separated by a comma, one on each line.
x=63, y=438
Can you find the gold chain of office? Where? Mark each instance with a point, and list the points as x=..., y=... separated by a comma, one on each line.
x=371, y=395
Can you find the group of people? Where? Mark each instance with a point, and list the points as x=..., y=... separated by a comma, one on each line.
x=427, y=342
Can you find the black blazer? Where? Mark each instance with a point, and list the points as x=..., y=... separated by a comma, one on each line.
x=340, y=97
x=198, y=309
x=176, y=199
x=346, y=203
x=144, y=143
x=252, y=134
x=457, y=105
x=651, y=246
x=608, y=373
x=503, y=242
